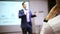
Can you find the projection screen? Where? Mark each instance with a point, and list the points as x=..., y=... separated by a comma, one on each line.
x=9, y=12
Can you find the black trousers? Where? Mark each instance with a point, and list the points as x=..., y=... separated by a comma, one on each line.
x=27, y=29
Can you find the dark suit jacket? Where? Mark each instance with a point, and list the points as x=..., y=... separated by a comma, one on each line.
x=24, y=20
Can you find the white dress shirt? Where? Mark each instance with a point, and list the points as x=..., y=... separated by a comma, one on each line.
x=55, y=24
x=26, y=12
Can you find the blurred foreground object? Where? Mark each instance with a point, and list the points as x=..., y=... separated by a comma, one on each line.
x=52, y=26
x=54, y=11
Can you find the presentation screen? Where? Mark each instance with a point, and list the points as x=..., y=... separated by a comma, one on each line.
x=9, y=12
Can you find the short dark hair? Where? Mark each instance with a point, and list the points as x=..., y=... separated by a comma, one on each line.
x=23, y=3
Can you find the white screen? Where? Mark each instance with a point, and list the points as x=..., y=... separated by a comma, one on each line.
x=9, y=12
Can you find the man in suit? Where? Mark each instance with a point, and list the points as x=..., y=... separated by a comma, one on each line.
x=26, y=15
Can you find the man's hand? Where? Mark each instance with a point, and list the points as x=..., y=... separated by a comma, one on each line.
x=36, y=13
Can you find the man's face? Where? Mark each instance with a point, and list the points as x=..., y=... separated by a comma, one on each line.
x=24, y=6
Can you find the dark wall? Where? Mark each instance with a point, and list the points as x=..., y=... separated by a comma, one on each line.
x=51, y=3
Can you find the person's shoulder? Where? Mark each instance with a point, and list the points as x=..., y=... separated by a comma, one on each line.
x=20, y=10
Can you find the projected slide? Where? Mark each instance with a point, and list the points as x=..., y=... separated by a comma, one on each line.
x=9, y=12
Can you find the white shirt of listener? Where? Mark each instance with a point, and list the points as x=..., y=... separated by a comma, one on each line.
x=52, y=25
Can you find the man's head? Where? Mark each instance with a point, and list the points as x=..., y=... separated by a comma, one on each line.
x=24, y=5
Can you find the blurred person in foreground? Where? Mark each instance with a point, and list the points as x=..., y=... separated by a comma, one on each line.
x=52, y=25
